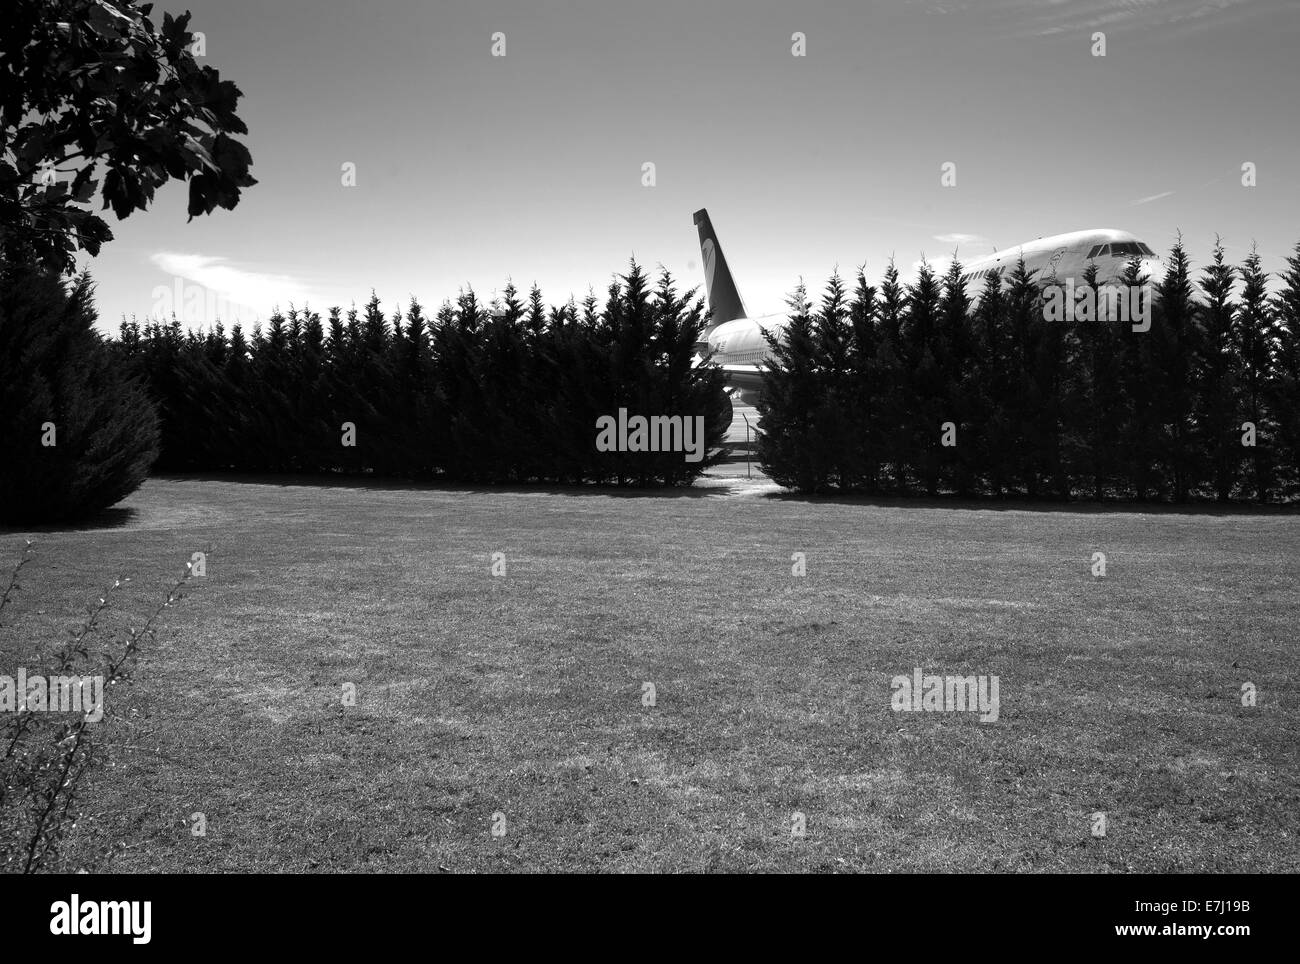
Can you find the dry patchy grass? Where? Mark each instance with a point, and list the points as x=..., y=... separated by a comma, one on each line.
x=523, y=695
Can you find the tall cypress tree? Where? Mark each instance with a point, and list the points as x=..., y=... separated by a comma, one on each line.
x=1052, y=346
x=1142, y=432
x=955, y=347
x=1024, y=321
x=892, y=394
x=1096, y=406
x=927, y=397
x=869, y=439
x=505, y=363
x=459, y=357
x=1256, y=335
x=994, y=403
x=422, y=426
x=79, y=435
x=628, y=322
x=312, y=406
x=1284, y=393
x=680, y=386
x=276, y=441
x=834, y=415
x=233, y=425
x=585, y=388
x=787, y=447
x=1174, y=338
x=1218, y=368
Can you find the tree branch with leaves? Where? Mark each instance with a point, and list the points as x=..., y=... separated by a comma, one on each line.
x=94, y=84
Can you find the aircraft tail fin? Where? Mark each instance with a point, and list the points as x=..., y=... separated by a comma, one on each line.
x=724, y=299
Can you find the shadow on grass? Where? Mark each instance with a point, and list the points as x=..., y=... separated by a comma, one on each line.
x=976, y=503
x=415, y=485
x=111, y=518
x=1025, y=504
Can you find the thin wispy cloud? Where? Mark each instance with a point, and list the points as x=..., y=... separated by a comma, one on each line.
x=1048, y=17
x=1150, y=198
x=1092, y=14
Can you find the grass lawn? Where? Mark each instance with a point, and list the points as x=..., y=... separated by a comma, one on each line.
x=522, y=695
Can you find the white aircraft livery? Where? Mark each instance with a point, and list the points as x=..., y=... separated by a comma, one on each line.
x=737, y=341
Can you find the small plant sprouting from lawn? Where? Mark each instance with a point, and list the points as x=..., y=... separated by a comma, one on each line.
x=46, y=755
x=13, y=576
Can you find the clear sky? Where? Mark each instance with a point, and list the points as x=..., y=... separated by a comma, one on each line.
x=472, y=168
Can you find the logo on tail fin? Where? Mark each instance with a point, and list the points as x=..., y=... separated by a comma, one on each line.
x=706, y=249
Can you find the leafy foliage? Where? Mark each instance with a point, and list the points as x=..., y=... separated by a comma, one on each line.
x=94, y=96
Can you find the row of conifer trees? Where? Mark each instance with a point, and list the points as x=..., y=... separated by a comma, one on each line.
x=903, y=388
x=508, y=392
x=895, y=388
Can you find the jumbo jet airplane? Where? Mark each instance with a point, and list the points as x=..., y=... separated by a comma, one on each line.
x=737, y=341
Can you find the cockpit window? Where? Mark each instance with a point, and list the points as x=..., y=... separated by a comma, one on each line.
x=1146, y=250
x=1093, y=252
